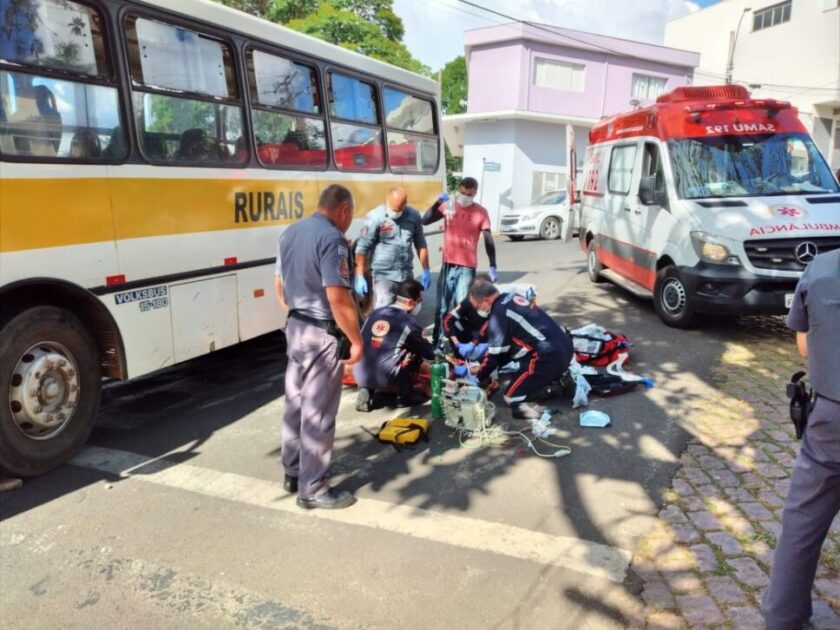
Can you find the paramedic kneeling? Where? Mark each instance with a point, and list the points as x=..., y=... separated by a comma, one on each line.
x=394, y=348
x=814, y=496
x=517, y=330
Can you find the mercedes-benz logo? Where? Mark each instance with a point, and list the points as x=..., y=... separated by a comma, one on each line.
x=806, y=251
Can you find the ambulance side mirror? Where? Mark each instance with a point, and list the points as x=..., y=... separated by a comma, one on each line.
x=647, y=192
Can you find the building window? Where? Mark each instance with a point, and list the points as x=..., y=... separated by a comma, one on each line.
x=647, y=87
x=545, y=182
x=765, y=18
x=557, y=75
x=621, y=168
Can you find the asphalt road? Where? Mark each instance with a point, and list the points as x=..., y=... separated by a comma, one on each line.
x=175, y=516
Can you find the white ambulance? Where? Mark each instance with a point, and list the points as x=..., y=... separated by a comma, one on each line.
x=708, y=202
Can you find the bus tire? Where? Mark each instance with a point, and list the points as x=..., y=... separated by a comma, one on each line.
x=673, y=302
x=593, y=264
x=49, y=393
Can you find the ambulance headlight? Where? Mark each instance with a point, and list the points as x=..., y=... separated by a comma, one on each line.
x=711, y=250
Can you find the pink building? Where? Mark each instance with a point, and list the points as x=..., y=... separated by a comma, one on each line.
x=527, y=83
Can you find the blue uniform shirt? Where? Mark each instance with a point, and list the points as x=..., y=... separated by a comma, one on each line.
x=391, y=242
x=816, y=311
x=312, y=254
x=392, y=340
x=516, y=329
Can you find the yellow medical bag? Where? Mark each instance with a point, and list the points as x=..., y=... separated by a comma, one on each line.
x=403, y=431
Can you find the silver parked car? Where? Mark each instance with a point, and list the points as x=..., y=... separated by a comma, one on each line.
x=546, y=218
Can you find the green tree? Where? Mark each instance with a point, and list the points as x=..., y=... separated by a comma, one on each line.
x=453, y=86
x=369, y=27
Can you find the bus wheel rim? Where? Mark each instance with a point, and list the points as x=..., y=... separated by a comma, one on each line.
x=44, y=392
x=674, y=297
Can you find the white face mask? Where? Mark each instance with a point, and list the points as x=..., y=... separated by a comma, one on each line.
x=393, y=214
x=483, y=314
x=416, y=310
x=465, y=200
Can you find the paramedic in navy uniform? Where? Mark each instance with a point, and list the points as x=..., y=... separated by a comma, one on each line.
x=313, y=281
x=814, y=496
x=517, y=330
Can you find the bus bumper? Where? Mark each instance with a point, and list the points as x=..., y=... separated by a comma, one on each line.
x=721, y=289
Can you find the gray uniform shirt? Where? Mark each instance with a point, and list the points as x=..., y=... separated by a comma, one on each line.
x=391, y=241
x=312, y=254
x=816, y=311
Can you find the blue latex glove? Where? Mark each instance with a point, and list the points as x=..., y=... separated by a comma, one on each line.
x=426, y=279
x=461, y=370
x=478, y=351
x=473, y=379
x=493, y=275
x=443, y=197
x=361, y=286
x=465, y=349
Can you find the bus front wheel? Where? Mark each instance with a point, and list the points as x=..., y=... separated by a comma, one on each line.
x=49, y=392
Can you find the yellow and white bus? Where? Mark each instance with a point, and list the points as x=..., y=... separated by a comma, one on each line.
x=150, y=152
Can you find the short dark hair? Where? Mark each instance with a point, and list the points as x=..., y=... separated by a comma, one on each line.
x=469, y=183
x=333, y=196
x=410, y=290
x=482, y=288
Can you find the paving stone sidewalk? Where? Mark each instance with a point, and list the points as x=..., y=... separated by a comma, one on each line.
x=708, y=561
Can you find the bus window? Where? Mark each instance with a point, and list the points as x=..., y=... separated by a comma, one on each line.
x=43, y=116
x=412, y=143
x=184, y=94
x=288, y=123
x=356, y=135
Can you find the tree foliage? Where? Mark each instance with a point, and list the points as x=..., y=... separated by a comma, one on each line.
x=453, y=89
x=369, y=27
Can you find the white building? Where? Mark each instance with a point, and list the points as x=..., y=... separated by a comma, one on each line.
x=786, y=50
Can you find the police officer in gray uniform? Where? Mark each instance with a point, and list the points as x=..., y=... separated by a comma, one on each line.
x=814, y=497
x=313, y=282
x=387, y=238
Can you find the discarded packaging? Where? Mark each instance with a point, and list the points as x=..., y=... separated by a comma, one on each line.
x=595, y=419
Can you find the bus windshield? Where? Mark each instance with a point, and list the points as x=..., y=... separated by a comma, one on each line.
x=749, y=166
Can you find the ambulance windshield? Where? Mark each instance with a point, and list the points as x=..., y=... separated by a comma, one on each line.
x=749, y=166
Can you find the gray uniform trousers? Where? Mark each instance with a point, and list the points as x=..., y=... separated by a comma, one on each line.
x=313, y=393
x=812, y=503
x=385, y=291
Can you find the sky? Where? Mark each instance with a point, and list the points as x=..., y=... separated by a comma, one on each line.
x=434, y=28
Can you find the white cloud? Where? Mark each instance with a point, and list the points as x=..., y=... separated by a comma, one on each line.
x=434, y=28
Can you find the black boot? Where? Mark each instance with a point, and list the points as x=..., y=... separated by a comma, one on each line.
x=332, y=499
x=364, y=400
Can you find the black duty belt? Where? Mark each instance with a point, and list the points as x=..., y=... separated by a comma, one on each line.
x=324, y=324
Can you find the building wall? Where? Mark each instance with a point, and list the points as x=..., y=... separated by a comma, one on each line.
x=521, y=148
x=494, y=73
x=781, y=61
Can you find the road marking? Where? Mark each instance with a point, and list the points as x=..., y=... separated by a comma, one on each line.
x=564, y=552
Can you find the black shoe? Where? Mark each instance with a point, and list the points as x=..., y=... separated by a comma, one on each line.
x=290, y=484
x=411, y=398
x=364, y=400
x=527, y=411
x=332, y=499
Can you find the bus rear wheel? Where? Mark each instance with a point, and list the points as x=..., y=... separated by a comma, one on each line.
x=49, y=394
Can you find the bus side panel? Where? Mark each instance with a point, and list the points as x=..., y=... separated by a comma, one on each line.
x=259, y=311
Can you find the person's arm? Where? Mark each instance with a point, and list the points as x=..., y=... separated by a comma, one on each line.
x=802, y=344
x=278, y=291
x=433, y=214
x=498, y=347
x=490, y=247
x=361, y=263
x=417, y=345
x=344, y=313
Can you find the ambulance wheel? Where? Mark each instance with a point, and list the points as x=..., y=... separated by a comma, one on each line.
x=49, y=392
x=671, y=299
x=516, y=237
x=593, y=265
x=550, y=229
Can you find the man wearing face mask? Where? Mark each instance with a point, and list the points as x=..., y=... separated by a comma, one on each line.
x=394, y=349
x=517, y=330
x=388, y=235
x=462, y=225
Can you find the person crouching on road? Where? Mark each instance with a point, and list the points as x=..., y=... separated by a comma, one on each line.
x=394, y=349
x=462, y=328
x=388, y=235
x=517, y=330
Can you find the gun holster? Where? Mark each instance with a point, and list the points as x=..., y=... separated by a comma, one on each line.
x=342, y=346
x=802, y=400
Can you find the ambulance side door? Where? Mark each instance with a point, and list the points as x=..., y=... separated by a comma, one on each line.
x=616, y=246
x=649, y=220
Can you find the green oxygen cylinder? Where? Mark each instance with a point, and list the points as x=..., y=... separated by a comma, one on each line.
x=439, y=372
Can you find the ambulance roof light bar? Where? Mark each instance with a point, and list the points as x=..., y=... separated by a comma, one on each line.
x=705, y=93
x=769, y=104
